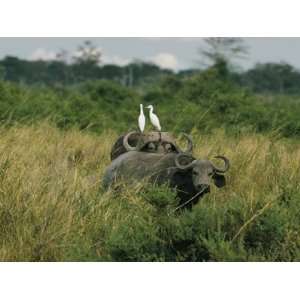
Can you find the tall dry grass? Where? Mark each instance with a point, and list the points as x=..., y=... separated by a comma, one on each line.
x=53, y=209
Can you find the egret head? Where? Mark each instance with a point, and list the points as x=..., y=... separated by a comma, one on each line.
x=150, y=106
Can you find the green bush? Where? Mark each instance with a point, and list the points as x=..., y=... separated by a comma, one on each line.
x=204, y=101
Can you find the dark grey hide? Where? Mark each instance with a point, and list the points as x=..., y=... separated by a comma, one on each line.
x=189, y=176
x=151, y=142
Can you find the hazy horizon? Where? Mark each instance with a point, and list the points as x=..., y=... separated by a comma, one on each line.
x=173, y=53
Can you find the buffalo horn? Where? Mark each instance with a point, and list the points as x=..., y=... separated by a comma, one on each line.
x=126, y=144
x=183, y=167
x=226, y=167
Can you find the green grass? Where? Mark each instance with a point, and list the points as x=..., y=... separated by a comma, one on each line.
x=52, y=207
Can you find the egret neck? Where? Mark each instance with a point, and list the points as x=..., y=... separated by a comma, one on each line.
x=154, y=120
x=141, y=119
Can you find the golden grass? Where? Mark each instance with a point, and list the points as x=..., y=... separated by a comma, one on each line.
x=49, y=188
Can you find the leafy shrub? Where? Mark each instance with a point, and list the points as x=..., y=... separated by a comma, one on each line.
x=204, y=101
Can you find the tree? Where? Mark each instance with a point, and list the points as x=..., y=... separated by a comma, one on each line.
x=88, y=53
x=221, y=51
x=272, y=77
x=86, y=62
x=63, y=56
x=2, y=72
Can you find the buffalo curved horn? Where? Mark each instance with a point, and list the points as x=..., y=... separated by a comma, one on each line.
x=126, y=144
x=183, y=167
x=226, y=167
x=189, y=148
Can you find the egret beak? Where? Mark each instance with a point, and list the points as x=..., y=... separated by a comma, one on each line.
x=149, y=106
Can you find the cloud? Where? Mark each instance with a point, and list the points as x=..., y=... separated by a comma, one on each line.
x=107, y=59
x=165, y=60
x=42, y=54
x=115, y=60
x=180, y=39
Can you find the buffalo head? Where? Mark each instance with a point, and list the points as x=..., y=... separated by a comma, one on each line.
x=155, y=142
x=202, y=171
x=152, y=142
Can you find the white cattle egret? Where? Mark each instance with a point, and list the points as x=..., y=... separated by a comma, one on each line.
x=142, y=120
x=153, y=118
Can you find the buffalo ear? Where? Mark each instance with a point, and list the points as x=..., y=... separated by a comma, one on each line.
x=219, y=180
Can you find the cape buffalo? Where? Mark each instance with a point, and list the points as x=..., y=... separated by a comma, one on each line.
x=153, y=142
x=191, y=177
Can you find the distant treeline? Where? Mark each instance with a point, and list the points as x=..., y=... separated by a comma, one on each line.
x=203, y=102
x=60, y=72
x=263, y=78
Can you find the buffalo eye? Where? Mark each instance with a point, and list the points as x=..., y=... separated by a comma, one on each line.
x=195, y=173
x=168, y=147
x=151, y=146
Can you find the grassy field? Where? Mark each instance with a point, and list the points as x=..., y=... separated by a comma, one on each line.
x=53, y=209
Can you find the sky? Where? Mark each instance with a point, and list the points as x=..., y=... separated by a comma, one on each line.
x=173, y=53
